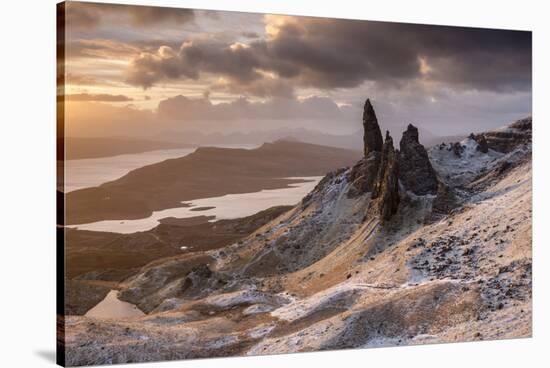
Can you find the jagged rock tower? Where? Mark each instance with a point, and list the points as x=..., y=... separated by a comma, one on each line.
x=387, y=185
x=372, y=137
x=415, y=170
x=378, y=171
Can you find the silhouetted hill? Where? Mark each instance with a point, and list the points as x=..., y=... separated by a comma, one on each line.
x=79, y=148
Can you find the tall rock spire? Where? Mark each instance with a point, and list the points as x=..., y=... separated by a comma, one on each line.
x=378, y=172
x=415, y=170
x=372, y=137
x=387, y=185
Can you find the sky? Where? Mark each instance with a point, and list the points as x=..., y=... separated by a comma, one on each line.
x=150, y=71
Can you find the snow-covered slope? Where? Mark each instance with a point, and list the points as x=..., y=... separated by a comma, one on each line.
x=458, y=170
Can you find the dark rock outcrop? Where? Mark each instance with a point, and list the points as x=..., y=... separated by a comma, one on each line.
x=365, y=172
x=519, y=132
x=377, y=172
x=380, y=171
x=457, y=149
x=387, y=184
x=523, y=125
x=363, y=175
x=482, y=145
x=444, y=202
x=372, y=137
x=415, y=170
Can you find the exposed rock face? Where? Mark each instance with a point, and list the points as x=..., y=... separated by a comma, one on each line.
x=481, y=142
x=415, y=170
x=457, y=149
x=444, y=202
x=365, y=172
x=363, y=175
x=387, y=185
x=506, y=140
x=372, y=137
x=524, y=125
x=377, y=172
x=482, y=145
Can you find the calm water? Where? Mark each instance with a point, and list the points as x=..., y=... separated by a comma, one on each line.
x=225, y=207
x=113, y=308
x=92, y=172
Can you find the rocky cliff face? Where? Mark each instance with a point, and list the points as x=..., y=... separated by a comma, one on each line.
x=383, y=167
x=416, y=171
x=363, y=175
x=482, y=145
x=387, y=185
x=365, y=172
x=508, y=138
x=372, y=137
x=377, y=172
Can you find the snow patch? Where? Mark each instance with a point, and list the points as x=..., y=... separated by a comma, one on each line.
x=461, y=170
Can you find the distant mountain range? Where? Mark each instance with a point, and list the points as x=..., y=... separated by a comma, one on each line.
x=80, y=148
x=95, y=147
x=352, y=141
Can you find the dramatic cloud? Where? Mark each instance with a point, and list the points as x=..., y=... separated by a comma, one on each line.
x=183, y=109
x=331, y=54
x=147, y=15
x=250, y=34
x=100, y=48
x=259, y=72
x=99, y=119
x=77, y=79
x=264, y=86
x=237, y=62
x=97, y=97
x=89, y=15
x=87, y=118
x=448, y=115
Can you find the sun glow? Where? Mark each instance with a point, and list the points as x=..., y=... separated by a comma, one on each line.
x=424, y=67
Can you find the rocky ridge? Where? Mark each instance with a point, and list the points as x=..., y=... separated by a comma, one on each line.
x=383, y=167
